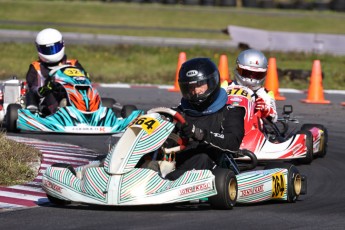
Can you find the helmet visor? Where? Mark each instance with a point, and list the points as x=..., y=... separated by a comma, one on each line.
x=51, y=48
x=251, y=74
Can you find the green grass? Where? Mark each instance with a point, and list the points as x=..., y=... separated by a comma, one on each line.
x=157, y=65
x=15, y=162
x=171, y=16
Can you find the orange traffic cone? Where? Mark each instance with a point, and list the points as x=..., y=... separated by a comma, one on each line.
x=224, y=70
x=315, y=91
x=272, y=83
x=181, y=59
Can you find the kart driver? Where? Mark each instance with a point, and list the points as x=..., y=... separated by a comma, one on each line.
x=51, y=53
x=212, y=126
x=251, y=70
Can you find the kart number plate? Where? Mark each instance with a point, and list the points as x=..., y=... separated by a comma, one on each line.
x=278, y=185
x=147, y=123
x=239, y=92
x=73, y=72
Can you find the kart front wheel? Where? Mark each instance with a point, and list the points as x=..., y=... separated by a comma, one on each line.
x=296, y=183
x=12, y=117
x=64, y=165
x=127, y=110
x=108, y=102
x=227, y=188
x=57, y=201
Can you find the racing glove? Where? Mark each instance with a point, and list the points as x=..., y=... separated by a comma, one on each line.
x=260, y=105
x=190, y=131
x=43, y=90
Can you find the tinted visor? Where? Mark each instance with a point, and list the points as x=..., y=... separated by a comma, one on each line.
x=251, y=74
x=51, y=48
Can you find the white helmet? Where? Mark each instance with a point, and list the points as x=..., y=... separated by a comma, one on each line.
x=50, y=45
x=251, y=68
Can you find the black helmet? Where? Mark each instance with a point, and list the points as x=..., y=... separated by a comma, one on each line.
x=196, y=72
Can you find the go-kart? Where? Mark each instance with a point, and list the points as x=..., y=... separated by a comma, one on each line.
x=133, y=173
x=83, y=110
x=12, y=91
x=276, y=141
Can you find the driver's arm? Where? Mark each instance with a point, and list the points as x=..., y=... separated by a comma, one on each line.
x=231, y=137
x=32, y=79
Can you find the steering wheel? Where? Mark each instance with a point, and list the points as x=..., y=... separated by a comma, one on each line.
x=174, y=117
x=57, y=68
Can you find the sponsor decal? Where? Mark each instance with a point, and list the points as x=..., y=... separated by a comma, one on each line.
x=220, y=135
x=235, y=99
x=195, y=188
x=296, y=149
x=278, y=185
x=251, y=191
x=87, y=129
x=192, y=73
x=55, y=187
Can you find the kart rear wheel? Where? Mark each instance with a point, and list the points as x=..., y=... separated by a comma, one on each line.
x=296, y=183
x=127, y=110
x=324, y=138
x=227, y=188
x=12, y=117
x=309, y=144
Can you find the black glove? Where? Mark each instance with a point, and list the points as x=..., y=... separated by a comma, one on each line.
x=43, y=90
x=190, y=131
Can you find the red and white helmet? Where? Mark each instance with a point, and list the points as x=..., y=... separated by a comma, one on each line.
x=50, y=45
x=251, y=69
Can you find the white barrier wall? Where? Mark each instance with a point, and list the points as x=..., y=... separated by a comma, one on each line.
x=288, y=41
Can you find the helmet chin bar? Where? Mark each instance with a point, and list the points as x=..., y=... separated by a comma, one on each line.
x=250, y=83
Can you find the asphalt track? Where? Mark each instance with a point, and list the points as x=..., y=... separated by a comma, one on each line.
x=322, y=208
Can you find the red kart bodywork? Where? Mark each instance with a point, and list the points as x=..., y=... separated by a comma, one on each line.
x=303, y=145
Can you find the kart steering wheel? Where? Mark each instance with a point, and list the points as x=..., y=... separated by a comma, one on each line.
x=170, y=114
x=174, y=117
x=57, y=68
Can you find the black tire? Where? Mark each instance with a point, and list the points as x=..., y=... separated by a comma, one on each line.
x=108, y=102
x=64, y=165
x=324, y=138
x=127, y=110
x=294, y=181
x=56, y=200
x=11, y=117
x=227, y=189
x=309, y=143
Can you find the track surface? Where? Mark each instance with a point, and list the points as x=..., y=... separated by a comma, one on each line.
x=322, y=208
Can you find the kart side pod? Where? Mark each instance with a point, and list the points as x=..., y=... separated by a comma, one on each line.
x=278, y=181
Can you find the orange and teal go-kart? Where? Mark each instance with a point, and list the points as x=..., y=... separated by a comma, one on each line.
x=83, y=110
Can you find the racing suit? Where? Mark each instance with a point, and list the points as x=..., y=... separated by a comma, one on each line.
x=265, y=100
x=223, y=131
x=38, y=76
